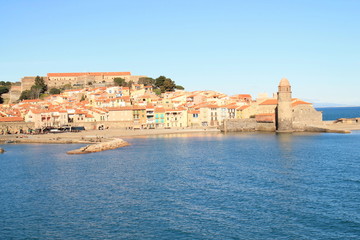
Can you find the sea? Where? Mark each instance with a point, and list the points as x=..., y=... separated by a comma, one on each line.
x=333, y=113
x=185, y=186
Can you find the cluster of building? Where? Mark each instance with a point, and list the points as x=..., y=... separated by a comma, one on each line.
x=138, y=107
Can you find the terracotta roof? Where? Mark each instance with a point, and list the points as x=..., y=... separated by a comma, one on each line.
x=294, y=104
x=119, y=108
x=88, y=73
x=265, y=117
x=241, y=96
x=243, y=107
x=269, y=102
x=11, y=119
x=159, y=110
x=31, y=101
x=194, y=112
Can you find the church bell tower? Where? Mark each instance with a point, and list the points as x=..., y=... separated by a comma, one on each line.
x=284, y=110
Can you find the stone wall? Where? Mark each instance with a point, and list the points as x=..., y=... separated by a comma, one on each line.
x=304, y=116
x=239, y=125
x=26, y=83
x=265, y=127
x=14, y=127
x=105, y=124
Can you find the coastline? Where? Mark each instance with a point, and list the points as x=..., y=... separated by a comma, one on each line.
x=96, y=136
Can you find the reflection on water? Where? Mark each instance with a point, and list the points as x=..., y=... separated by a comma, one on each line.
x=185, y=186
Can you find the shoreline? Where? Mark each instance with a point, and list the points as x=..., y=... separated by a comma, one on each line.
x=96, y=136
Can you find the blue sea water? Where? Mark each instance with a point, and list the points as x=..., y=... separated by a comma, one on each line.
x=203, y=186
x=333, y=113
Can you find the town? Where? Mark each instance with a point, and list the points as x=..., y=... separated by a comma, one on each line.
x=109, y=100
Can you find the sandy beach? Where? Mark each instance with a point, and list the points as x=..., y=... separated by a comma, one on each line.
x=92, y=136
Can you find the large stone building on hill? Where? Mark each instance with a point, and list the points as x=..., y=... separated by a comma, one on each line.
x=81, y=79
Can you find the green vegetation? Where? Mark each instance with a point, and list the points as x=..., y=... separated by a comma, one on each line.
x=66, y=87
x=161, y=84
x=157, y=92
x=27, y=94
x=147, y=81
x=37, y=90
x=40, y=84
x=54, y=91
x=4, y=88
x=122, y=82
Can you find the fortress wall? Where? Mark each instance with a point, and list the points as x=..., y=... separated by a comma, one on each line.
x=239, y=125
x=16, y=126
x=266, y=127
x=26, y=83
x=305, y=115
x=106, y=124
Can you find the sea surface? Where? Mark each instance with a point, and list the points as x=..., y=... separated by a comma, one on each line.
x=181, y=186
x=333, y=113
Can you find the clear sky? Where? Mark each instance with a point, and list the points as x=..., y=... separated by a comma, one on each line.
x=228, y=46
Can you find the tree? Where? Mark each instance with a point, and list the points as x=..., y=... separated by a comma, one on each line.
x=160, y=81
x=35, y=91
x=6, y=84
x=54, y=91
x=147, y=81
x=120, y=82
x=25, y=95
x=66, y=87
x=157, y=92
x=169, y=85
x=165, y=84
x=130, y=83
x=40, y=84
x=179, y=87
x=4, y=89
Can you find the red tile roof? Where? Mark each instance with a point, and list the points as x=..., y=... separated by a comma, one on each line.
x=243, y=107
x=159, y=110
x=11, y=119
x=269, y=102
x=294, y=104
x=119, y=108
x=88, y=73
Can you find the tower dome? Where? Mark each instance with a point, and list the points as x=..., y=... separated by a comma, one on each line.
x=284, y=82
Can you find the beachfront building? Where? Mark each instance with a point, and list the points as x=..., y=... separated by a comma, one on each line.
x=176, y=118
x=159, y=117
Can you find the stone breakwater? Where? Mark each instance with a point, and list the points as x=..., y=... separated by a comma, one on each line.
x=102, y=146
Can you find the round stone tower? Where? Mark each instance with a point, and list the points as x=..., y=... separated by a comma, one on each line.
x=283, y=110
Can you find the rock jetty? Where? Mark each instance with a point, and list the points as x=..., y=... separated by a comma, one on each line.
x=102, y=146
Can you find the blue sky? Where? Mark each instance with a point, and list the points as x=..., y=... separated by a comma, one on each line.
x=228, y=46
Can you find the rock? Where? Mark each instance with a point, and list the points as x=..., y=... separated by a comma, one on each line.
x=337, y=131
x=102, y=146
x=2, y=150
